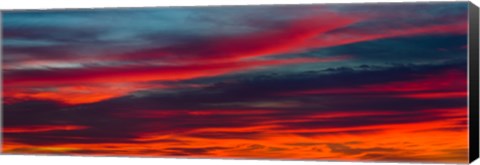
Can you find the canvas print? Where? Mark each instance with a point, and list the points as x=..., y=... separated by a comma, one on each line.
x=341, y=82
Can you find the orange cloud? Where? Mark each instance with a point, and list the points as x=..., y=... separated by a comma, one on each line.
x=41, y=128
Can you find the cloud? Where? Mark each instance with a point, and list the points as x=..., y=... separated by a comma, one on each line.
x=340, y=148
x=140, y=73
x=40, y=128
x=290, y=37
x=193, y=151
x=426, y=48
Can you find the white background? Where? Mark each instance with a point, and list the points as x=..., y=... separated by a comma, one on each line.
x=53, y=160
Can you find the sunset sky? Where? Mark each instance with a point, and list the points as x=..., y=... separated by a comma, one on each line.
x=355, y=82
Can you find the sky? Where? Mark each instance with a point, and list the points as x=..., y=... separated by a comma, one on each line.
x=349, y=82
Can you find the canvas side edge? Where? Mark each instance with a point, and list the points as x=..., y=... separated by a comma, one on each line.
x=473, y=78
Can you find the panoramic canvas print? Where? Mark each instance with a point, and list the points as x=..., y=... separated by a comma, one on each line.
x=347, y=82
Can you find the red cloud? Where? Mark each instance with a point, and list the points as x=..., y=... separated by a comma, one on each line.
x=350, y=36
x=292, y=37
x=41, y=128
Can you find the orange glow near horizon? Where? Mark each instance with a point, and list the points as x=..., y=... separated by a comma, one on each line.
x=394, y=139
